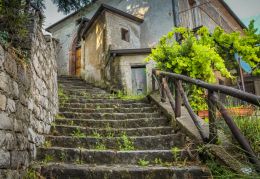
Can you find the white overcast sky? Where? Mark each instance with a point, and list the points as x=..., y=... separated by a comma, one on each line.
x=245, y=9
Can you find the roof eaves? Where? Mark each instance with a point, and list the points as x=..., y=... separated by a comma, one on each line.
x=112, y=9
x=233, y=14
x=48, y=29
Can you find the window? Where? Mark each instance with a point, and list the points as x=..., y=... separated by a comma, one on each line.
x=125, y=35
x=192, y=2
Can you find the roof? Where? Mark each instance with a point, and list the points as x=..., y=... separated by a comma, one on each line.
x=123, y=52
x=68, y=16
x=233, y=14
x=105, y=7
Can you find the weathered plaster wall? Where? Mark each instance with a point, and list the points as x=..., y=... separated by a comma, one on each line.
x=125, y=63
x=94, y=51
x=28, y=102
x=114, y=23
x=158, y=20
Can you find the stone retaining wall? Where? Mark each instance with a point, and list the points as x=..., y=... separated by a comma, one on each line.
x=28, y=101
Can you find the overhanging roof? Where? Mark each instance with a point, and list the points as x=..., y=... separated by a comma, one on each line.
x=233, y=14
x=48, y=29
x=105, y=7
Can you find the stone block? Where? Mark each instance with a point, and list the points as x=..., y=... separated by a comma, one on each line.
x=15, y=90
x=19, y=159
x=2, y=102
x=11, y=66
x=10, y=174
x=7, y=140
x=6, y=123
x=10, y=107
x=4, y=82
x=5, y=159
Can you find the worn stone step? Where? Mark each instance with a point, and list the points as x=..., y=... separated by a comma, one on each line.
x=127, y=123
x=73, y=155
x=114, y=116
x=105, y=105
x=112, y=101
x=88, y=94
x=108, y=110
x=138, y=142
x=115, y=132
x=69, y=171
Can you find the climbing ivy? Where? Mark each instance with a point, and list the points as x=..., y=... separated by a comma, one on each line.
x=200, y=54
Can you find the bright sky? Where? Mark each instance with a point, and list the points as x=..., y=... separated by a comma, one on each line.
x=245, y=10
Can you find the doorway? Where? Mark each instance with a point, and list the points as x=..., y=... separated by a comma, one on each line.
x=78, y=62
x=139, y=82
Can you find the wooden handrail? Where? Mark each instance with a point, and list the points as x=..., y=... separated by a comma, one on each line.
x=213, y=105
x=250, y=98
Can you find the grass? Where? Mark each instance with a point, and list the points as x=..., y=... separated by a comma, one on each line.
x=77, y=133
x=63, y=98
x=47, y=144
x=32, y=174
x=250, y=127
x=48, y=158
x=143, y=162
x=100, y=146
x=121, y=95
x=125, y=143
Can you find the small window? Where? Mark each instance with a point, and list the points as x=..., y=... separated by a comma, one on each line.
x=125, y=35
x=192, y=2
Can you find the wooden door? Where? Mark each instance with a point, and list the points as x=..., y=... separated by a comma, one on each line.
x=139, y=84
x=78, y=61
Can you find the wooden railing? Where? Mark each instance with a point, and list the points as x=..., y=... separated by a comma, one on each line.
x=161, y=77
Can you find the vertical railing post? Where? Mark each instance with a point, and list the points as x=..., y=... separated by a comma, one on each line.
x=163, y=96
x=212, y=110
x=177, y=99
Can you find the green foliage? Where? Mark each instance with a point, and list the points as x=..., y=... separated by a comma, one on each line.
x=77, y=133
x=48, y=158
x=47, y=144
x=175, y=152
x=70, y=6
x=32, y=174
x=125, y=143
x=143, y=162
x=250, y=127
x=121, y=95
x=100, y=146
x=4, y=36
x=63, y=98
x=200, y=55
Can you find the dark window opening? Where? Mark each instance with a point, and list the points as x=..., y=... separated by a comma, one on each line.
x=125, y=35
x=192, y=2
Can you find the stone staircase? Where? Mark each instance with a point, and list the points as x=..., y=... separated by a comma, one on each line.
x=98, y=135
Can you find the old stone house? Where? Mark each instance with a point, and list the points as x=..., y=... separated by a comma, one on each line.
x=106, y=42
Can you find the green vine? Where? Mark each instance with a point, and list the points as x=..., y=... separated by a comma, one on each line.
x=199, y=55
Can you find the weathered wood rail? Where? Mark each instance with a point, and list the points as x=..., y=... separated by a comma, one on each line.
x=161, y=77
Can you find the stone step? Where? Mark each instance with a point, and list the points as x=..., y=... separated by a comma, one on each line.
x=69, y=171
x=158, y=142
x=105, y=105
x=86, y=156
x=88, y=94
x=112, y=101
x=115, y=116
x=111, y=132
x=109, y=110
x=127, y=123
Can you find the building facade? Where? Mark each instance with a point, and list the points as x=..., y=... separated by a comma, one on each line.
x=106, y=42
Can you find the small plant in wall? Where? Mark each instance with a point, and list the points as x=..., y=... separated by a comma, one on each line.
x=143, y=162
x=77, y=133
x=125, y=143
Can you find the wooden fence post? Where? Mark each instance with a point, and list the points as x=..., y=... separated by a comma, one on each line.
x=212, y=110
x=163, y=96
x=177, y=99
